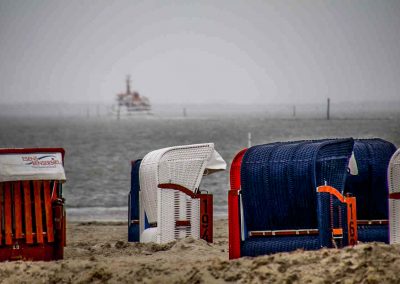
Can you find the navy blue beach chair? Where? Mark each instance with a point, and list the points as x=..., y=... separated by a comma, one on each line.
x=276, y=207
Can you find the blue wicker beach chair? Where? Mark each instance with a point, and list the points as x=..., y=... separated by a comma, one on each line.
x=370, y=187
x=133, y=211
x=276, y=207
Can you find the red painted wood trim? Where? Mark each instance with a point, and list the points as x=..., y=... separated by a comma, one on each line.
x=54, y=194
x=38, y=211
x=235, y=170
x=7, y=214
x=17, y=209
x=394, y=195
x=179, y=188
x=206, y=217
x=28, y=212
x=372, y=222
x=233, y=206
x=1, y=210
x=32, y=151
x=48, y=209
x=182, y=223
x=283, y=233
x=331, y=190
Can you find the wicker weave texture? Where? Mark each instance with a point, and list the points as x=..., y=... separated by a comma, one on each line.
x=177, y=206
x=183, y=165
x=373, y=233
x=259, y=246
x=331, y=214
x=370, y=186
x=394, y=204
x=279, y=181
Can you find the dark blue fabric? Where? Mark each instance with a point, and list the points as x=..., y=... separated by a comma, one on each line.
x=255, y=246
x=370, y=185
x=279, y=182
x=373, y=233
x=133, y=229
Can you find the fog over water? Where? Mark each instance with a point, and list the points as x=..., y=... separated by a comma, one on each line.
x=189, y=52
x=213, y=70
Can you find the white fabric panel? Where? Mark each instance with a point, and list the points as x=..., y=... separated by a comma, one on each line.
x=183, y=165
x=148, y=177
x=174, y=205
x=149, y=235
x=32, y=166
x=141, y=216
x=394, y=204
x=215, y=164
x=353, y=168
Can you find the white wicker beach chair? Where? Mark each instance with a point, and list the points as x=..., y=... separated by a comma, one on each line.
x=173, y=209
x=394, y=198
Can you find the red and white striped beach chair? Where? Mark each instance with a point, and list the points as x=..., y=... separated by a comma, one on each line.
x=32, y=215
x=171, y=203
x=394, y=198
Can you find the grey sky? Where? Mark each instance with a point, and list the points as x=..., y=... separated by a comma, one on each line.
x=200, y=51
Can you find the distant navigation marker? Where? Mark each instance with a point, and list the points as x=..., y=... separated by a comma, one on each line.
x=328, y=109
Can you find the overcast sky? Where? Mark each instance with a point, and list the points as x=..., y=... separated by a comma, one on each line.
x=254, y=52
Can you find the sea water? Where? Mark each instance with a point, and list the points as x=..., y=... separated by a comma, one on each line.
x=99, y=149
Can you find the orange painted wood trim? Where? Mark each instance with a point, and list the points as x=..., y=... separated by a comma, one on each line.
x=28, y=212
x=352, y=220
x=331, y=190
x=7, y=214
x=48, y=211
x=337, y=231
x=17, y=209
x=38, y=211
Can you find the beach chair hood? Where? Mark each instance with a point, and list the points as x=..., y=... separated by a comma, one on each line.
x=183, y=165
x=31, y=164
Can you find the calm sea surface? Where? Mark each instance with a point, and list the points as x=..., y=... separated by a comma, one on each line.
x=99, y=149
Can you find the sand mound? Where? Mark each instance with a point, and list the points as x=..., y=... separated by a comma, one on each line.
x=99, y=253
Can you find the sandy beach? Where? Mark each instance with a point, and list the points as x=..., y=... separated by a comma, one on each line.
x=99, y=253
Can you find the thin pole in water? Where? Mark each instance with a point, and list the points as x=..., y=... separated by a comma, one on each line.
x=328, y=109
x=248, y=139
x=294, y=110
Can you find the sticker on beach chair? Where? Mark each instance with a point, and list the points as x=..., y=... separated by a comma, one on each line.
x=31, y=166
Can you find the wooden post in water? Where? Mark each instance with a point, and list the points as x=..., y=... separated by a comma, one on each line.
x=248, y=139
x=184, y=112
x=294, y=110
x=328, y=109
